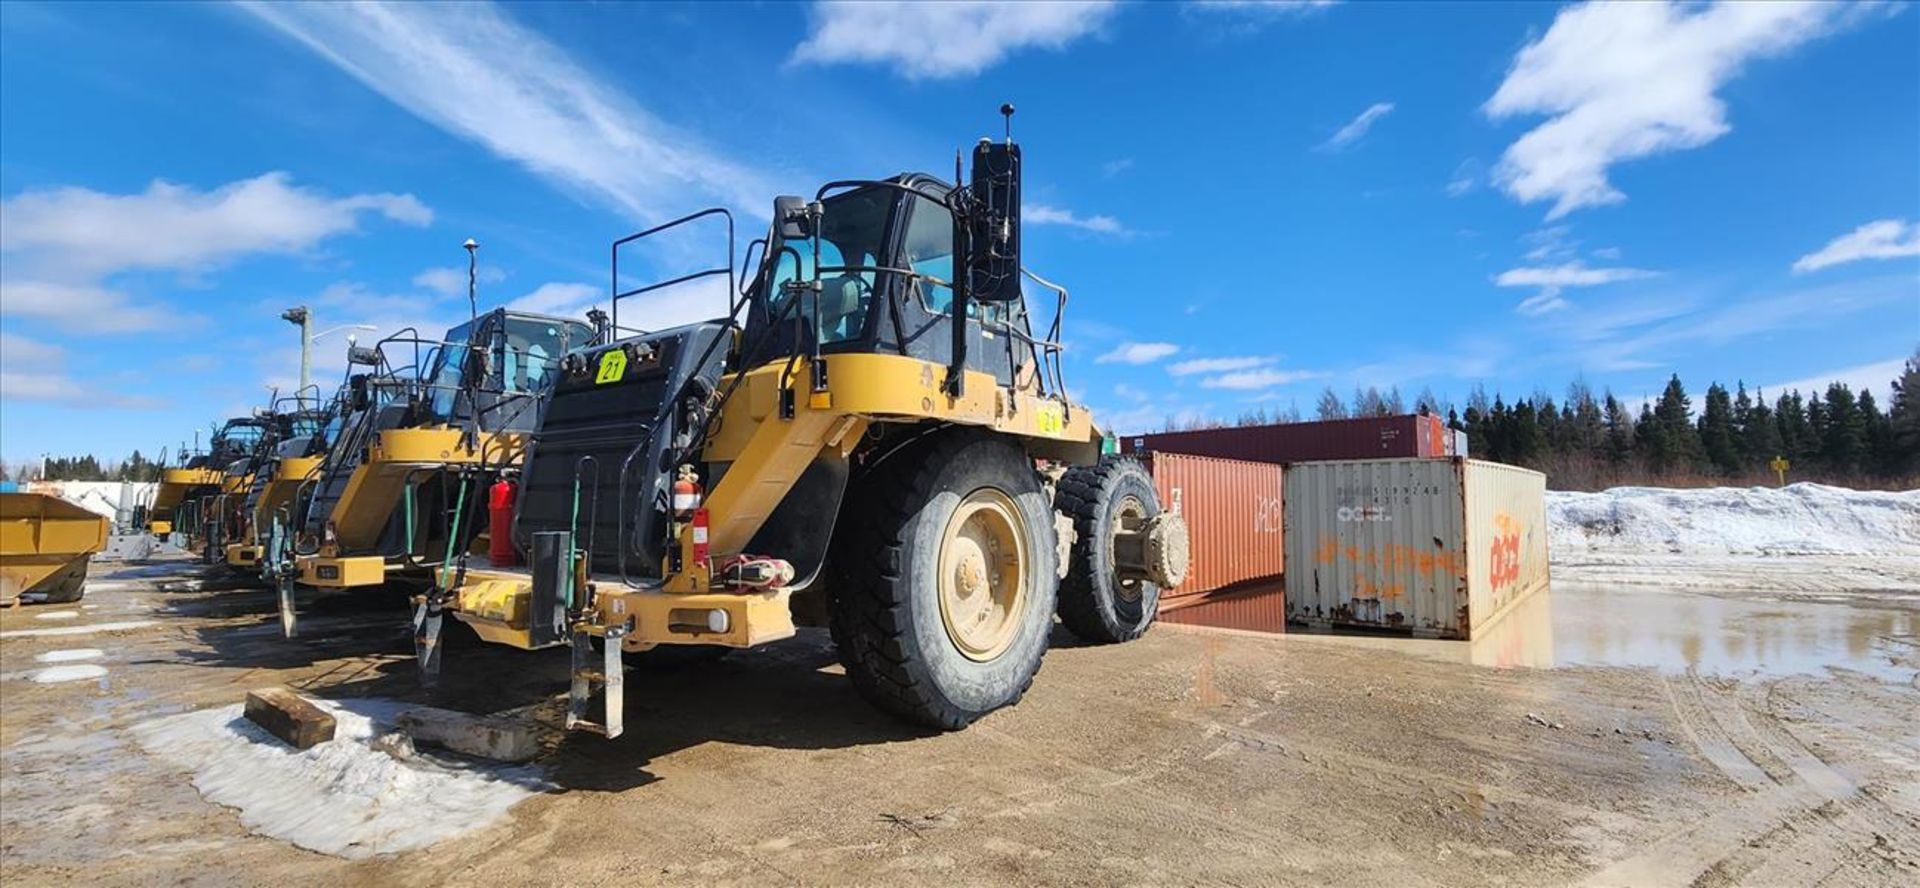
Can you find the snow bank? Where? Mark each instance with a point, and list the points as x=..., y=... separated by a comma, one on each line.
x=1800, y=519
x=342, y=797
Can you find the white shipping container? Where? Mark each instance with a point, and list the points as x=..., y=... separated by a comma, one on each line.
x=1437, y=547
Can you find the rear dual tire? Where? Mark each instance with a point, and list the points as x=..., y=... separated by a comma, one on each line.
x=1096, y=604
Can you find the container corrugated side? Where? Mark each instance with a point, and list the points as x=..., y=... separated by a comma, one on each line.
x=1377, y=543
x=1235, y=514
x=1507, y=534
x=1435, y=547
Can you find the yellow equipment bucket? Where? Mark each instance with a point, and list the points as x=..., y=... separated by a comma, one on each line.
x=44, y=544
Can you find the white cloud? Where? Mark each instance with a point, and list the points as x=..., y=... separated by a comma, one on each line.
x=62, y=244
x=1621, y=81
x=1138, y=353
x=1356, y=129
x=451, y=280
x=1115, y=167
x=941, y=40
x=556, y=297
x=32, y=370
x=1553, y=279
x=1217, y=365
x=1247, y=380
x=474, y=72
x=1882, y=239
x=1876, y=377
x=1466, y=178
x=1550, y=244
x=168, y=226
x=1270, y=9
x=82, y=308
x=1042, y=214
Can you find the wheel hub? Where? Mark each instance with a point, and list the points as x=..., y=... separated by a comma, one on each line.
x=983, y=555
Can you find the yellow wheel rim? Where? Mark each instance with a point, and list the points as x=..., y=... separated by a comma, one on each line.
x=1128, y=514
x=982, y=574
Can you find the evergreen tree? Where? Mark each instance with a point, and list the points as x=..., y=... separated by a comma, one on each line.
x=1760, y=434
x=1813, y=446
x=1619, y=425
x=1717, y=438
x=1790, y=414
x=1879, y=453
x=1676, y=447
x=1844, y=445
x=1903, y=422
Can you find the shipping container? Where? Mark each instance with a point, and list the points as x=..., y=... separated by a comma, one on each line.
x=1435, y=547
x=1374, y=437
x=1234, y=512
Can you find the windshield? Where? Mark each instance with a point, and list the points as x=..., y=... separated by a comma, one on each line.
x=852, y=230
x=523, y=355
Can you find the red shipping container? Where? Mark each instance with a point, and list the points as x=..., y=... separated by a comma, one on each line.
x=1378, y=437
x=1234, y=511
x=1260, y=606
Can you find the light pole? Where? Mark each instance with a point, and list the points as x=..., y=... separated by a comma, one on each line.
x=300, y=317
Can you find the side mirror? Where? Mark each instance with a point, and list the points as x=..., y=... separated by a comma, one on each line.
x=790, y=213
x=363, y=355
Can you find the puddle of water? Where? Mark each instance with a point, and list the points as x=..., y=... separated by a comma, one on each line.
x=1584, y=624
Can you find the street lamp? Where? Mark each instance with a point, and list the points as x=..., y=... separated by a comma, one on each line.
x=299, y=316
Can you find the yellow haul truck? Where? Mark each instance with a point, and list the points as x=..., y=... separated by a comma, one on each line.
x=399, y=490
x=184, y=502
x=884, y=431
x=282, y=461
x=45, y=542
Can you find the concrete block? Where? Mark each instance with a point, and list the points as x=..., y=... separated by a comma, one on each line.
x=498, y=737
x=289, y=716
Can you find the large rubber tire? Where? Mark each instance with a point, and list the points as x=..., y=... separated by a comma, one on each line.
x=1094, y=605
x=884, y=596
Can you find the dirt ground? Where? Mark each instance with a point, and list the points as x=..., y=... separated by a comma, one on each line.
x=1190, y=757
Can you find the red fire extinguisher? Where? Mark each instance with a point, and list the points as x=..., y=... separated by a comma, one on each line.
x=500, y=525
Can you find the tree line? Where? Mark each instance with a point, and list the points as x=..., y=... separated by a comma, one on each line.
x=1588, y=441
x=83, y=468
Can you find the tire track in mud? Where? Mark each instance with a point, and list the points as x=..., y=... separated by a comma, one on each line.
x=1802, y=822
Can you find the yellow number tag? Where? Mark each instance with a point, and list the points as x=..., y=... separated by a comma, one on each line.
x=613, y=365
x=1050, y=421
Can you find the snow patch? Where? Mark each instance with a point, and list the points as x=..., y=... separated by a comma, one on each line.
x=76, y=672
x=1799, y=519
x=342, y=797
x=57, y=615
x=80, y=630
x=73, y=655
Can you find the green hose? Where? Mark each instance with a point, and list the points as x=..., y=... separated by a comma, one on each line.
x=453, y=531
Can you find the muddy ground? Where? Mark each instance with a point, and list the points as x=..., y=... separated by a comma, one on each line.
x=1190, y=757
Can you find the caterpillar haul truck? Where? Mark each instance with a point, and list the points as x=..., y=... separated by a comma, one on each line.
x=399, y=491
x=884, y=435
x=184, y=501
x=282, y=462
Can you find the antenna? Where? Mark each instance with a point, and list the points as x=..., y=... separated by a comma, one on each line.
x=1006, y=113
x=473, y=277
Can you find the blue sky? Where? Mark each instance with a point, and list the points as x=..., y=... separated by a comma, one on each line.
x=1248, y=201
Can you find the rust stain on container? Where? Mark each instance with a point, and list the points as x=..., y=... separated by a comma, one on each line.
x=1234, y=513
x=1432, y=547
x=1382, y=437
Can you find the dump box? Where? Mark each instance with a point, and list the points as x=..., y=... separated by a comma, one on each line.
x=1234, y=512
x=44, y=544
x=1435, y=547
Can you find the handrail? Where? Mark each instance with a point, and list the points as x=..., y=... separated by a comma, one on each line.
x=614, y=294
